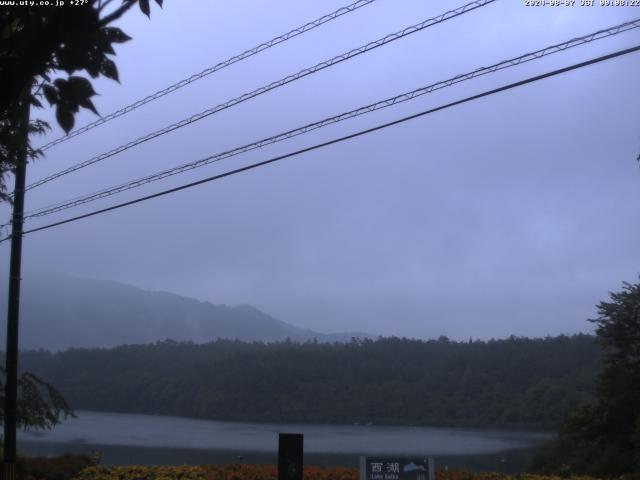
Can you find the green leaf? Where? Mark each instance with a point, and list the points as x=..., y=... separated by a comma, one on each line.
x=109, y=70
x=104, y=42
x=74, y=55
x=81, y=87
x=144, y=6
x=64, y=115
x=73, y=93
x=35, y=102
x=115, y=35
x=11, y=28
x=51, y=94
x=93, y=64
x=88, y=104
x=38, y=126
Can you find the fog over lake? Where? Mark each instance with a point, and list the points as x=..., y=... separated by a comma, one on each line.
x=98, y=428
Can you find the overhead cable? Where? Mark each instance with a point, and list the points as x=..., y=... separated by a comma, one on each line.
x=337, y=140
x=208, y=71
x=271, y=86
x=600, y=34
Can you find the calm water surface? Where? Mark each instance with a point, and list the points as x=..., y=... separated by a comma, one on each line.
x=125, y=438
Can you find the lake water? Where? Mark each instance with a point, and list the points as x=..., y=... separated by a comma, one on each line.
x=149, y=439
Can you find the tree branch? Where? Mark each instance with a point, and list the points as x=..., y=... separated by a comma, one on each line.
x=104, y=4
x=116, y=14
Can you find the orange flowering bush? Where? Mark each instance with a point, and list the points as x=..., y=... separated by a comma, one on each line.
x=465, y=475
x=136, y=472
x=269, y=472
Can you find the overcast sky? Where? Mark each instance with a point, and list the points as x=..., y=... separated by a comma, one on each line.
x=513, y=214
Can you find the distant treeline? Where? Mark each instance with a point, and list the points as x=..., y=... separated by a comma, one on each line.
x=517, y=382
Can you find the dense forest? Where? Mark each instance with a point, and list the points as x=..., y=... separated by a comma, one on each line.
x=517, y=382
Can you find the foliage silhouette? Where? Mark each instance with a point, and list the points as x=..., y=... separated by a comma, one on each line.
x=38, y=43
x=603, y=438
x=40, y=405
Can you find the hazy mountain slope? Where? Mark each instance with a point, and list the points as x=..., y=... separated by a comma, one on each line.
x=58, y=312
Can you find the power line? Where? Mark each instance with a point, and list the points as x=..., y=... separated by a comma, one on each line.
x=208, y=71
x=340, y=139
x=266, y=88
x=600, y=34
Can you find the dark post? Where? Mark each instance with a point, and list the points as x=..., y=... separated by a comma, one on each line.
x=290, y=456
x=13, y=313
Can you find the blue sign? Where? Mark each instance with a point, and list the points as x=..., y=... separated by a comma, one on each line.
x=397, y=468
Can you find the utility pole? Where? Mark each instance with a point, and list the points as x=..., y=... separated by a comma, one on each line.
x=13, y=313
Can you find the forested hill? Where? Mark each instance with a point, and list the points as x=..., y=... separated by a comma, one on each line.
x=513, y=382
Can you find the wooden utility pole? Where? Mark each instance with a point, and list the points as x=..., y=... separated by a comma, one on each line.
x=13, y=313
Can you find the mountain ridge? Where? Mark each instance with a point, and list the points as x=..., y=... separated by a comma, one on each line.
x=93, y=313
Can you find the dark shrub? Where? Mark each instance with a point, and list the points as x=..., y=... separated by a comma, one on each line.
x=57, y=468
